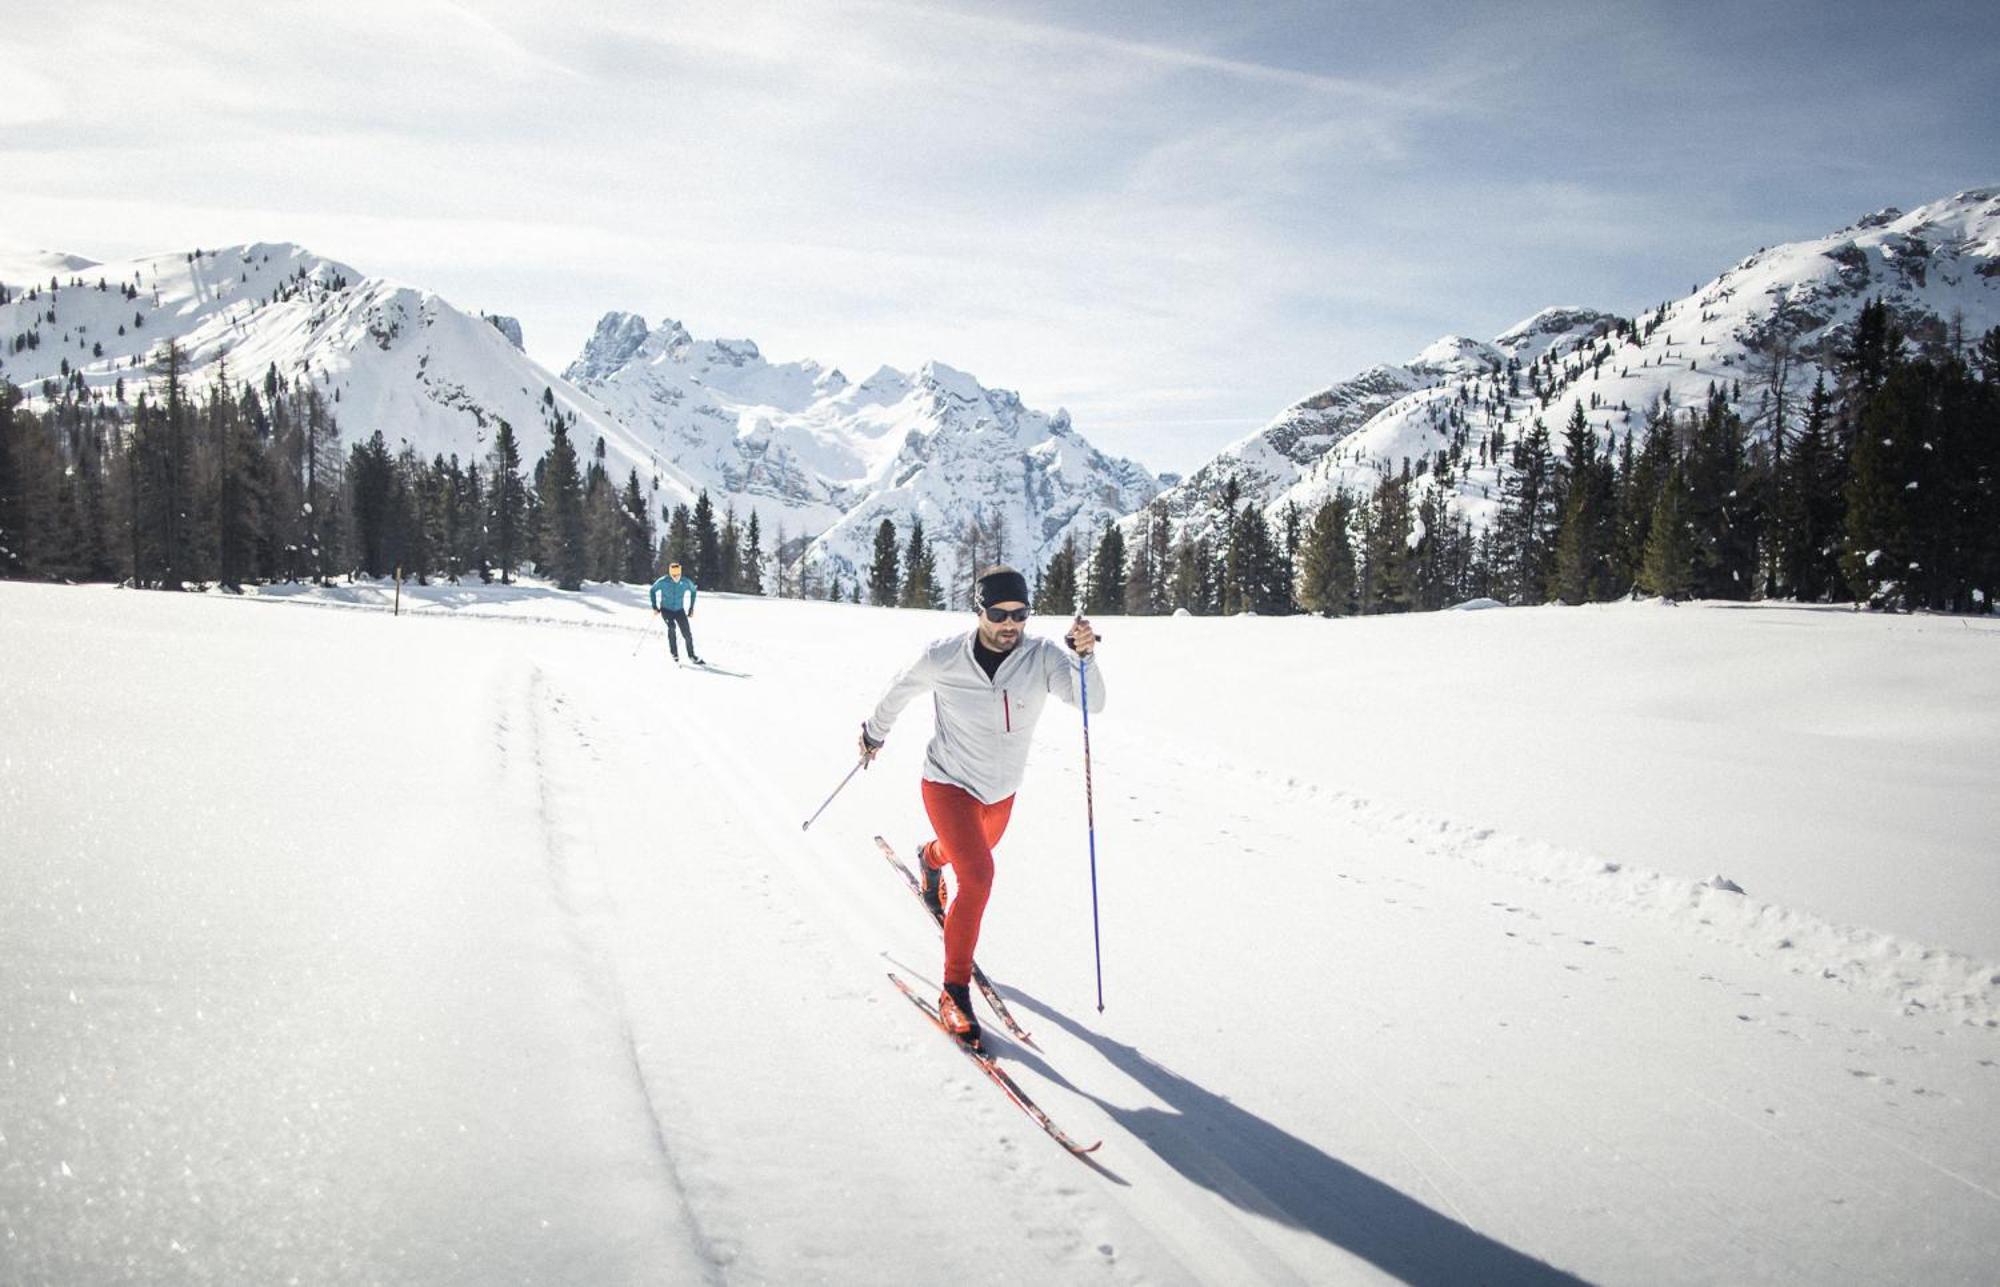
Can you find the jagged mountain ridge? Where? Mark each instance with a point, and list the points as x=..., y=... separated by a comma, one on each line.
x=387, y=356
x=1936, y=267
x=833, y=458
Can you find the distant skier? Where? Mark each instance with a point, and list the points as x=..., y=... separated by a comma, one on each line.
x=673, y=598
x=988, y=687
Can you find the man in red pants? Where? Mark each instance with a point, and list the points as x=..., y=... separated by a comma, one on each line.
x=988, y=687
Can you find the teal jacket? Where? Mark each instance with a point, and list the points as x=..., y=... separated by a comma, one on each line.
x=671, y=594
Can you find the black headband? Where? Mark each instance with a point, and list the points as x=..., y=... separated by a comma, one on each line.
x=1002, y=585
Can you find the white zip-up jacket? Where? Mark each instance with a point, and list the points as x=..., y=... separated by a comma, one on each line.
x=984, y=725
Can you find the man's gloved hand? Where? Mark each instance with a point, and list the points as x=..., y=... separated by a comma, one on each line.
x=869, y=746
x=1082, y=640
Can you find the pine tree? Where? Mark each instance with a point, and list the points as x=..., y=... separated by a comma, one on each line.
x=372, y=498
x=168, y=471
x=1233, y=571
x=606, y=532
x=1185, y=585
x=1057, y=593
x=707, y=542
x=1528, y=518
x=1262, y=587
x=1806, y=514
x=920, y=585
x=1326, y=574
x=730, y=551
x=30, y=470
x=323, y=481
x=236, y=484
x=680, y=538
x=1142, y=572
x=750, y=577
x=884, y=579
x=561, y=492
x=1667, y=566
x=1106, y=595
x=507, y=495
x=1722, y=516
x=1581, y=570
x=639, y=533
x=413, y=545
x=1389, y=582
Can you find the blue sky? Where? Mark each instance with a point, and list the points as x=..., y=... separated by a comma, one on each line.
x=1173, y=219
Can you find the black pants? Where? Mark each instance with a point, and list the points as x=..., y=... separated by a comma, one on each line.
x=678, y=619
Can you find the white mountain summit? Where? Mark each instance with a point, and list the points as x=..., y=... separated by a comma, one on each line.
x=828, y=459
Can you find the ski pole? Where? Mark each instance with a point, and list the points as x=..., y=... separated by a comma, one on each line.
x=1090, y=817
x=836, y=791
x=642, y=637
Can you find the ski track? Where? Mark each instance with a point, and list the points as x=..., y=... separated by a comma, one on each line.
x=537, y=769
x=1400, y=1110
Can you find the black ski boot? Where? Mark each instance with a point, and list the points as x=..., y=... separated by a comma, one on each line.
x=955, y=1012
x=933, y=882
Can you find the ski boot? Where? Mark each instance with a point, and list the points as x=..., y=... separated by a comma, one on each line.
x=955, y=1012
x=932, y=891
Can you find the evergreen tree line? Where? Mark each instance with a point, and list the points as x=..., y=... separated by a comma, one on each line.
x=234, y=484
x=728, y=556
x=1886, y=492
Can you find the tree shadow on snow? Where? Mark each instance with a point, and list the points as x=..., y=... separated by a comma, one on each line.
x=1263, y=1169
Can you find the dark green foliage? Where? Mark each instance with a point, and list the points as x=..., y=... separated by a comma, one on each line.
x=371, y=476
x=680, y=540
x=1528, y=519
x=1586, y=536
x=1106, y=593
x=565, y=553
x=730, y=561
x=1722, y=498
x=750, y=577
x=1390, y=583
x=707, y=543
x=1327, y=582
x=639, y=535
x=1056, y=592
x=920, y=582
x=507, y=496
x=1666, y=568
x=884, y=576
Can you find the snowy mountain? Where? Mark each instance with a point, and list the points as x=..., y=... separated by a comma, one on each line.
x=834, y=458
x=389, y=356
x=1762, y=331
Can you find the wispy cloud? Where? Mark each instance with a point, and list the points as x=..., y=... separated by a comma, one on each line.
x=1173, y=217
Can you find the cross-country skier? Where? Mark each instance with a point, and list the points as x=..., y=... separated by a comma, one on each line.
x=988, y=687
x=672, y=597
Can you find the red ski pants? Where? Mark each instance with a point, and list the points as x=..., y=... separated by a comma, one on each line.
x=967, y=830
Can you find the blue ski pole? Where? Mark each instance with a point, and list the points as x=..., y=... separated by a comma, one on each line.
x=1090, y=816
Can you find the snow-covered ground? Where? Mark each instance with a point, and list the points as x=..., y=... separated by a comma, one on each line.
x=482, y=945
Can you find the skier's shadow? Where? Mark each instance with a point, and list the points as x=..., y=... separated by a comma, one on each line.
x=1267, y=1171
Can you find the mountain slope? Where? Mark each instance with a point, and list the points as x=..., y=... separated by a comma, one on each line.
x=389, y=356
x=1761, y=331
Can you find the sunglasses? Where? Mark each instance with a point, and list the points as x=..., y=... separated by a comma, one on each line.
x=998, y=615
